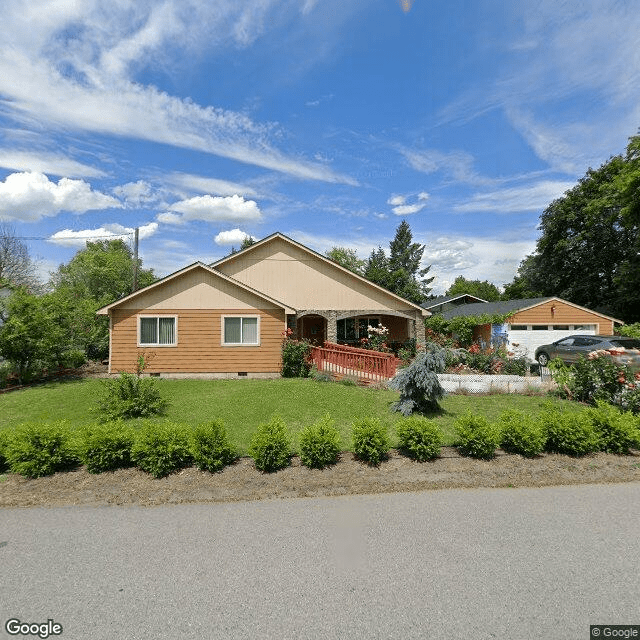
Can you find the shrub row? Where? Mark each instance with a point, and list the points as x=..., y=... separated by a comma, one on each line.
x=36, y=449
x=599, y=428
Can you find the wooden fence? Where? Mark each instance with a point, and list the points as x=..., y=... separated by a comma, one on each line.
x=365, y=364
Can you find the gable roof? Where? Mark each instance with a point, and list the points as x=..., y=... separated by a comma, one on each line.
x=196, y=265
x=318, y=256
x=511, y=307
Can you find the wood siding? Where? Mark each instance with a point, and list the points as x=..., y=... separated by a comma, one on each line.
x=562, y=314
x=305, y=281
x=198, y=348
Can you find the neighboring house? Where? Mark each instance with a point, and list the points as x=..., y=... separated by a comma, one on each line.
x=533, y=322
x=444, y=303
x=228, y=319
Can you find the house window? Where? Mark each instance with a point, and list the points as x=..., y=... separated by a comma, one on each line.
x=240, y=330
x=157, y=331
x=351, y=329
x=540, y=327
x=518, y=327
x=561, y=327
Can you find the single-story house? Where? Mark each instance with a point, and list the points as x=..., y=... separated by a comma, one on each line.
x=533, y=322
x=228, y=319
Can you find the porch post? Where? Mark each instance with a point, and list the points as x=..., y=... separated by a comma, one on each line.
x=332, y=326
x=420, y=333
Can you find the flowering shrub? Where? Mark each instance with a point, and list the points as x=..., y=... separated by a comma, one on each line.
x=295, y=357
x=598, y=378
x=376, y=340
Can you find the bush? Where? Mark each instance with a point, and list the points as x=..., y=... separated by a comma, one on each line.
x=418, y=383
x=40, y=449
x=295, y=358
x=4, y=441
x=130, y=396
x=210, y=447
x=570, y=433
x=617, y=432
x=73, y=358
x=105, y=447
x=477, y=437
x=515, y=367
x=160, y=449
x=419, y=438
x=5, y=372
x=521, y=434
x=370, y=440
x=270, y=446
x=319, y=444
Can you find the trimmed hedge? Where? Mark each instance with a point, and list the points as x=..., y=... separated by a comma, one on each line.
x=370, y=440
x=210, y=447
x=521, y=434
x=271, y=446
x=320, y=444
x=477, y=437
x=161, y=449
x=419, y=438
x=104, y=447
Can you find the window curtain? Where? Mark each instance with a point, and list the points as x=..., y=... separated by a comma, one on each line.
x=249, y=330
x=167, y=330
x=148, y=331
x=232, y=330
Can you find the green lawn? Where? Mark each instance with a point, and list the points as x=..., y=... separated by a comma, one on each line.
x=243, y=404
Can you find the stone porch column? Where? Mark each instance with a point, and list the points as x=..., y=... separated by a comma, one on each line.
x=332, y=326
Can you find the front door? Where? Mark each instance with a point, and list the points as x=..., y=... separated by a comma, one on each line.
x=313, y=329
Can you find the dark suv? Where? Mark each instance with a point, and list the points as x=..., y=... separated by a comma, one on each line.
x=625, y=350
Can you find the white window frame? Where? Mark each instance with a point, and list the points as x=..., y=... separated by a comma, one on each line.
x=157, y=344
x=239, y=344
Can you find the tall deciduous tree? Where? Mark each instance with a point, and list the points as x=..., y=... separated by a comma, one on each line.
x=479, y=288
x=103, y=272
x=588, y=251
x=347, y=258
x=16, y=265
x=97, y=275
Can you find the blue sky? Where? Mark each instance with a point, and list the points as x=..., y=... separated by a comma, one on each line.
x=328, y=120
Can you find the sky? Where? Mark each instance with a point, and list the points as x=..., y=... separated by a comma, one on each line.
x=330, y=121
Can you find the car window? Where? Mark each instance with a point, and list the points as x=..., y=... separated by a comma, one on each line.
x=587, y=342
x=567, y=342
x=627, y=344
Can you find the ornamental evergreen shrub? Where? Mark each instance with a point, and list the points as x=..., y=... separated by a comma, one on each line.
x=270, y=446
x=477, y=437
x=570, y=433
x=521, y=434
x=617, y=431
x=210, y=447
x=320, y=444
x=419, y=438
x=418, y=384
x=103, y=447
x=370, y=440
x=162, y=448
x=37, y=449
x=130, y=396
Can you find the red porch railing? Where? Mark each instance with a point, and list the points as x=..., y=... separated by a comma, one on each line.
x=363, y=363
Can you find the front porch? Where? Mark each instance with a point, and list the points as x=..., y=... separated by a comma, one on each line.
x=350, y=327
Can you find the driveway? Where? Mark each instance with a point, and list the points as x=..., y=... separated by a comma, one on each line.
x=481, y=563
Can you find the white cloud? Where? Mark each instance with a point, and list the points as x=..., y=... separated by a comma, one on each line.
x=456, y=165
x=209, y=185
x=216, y=209
x=235, y=236
x=31, y=196
x=136, y=194
x=423, y=195
x=475, y=258
x=170, y=218
x=408, y=209
x=396, y=200
x=72, y=66
x=69, y=238
x=535, y=197
x=43, y=162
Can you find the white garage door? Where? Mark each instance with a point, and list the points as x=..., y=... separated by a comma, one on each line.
x=525, y=340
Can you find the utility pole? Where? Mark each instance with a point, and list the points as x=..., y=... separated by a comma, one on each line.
x=135, y=261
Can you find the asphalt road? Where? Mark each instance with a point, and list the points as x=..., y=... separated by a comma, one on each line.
x=482, y=563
